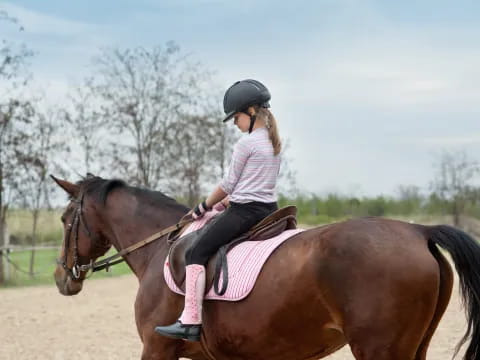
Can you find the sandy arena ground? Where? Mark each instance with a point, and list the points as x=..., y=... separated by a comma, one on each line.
x=39, y=323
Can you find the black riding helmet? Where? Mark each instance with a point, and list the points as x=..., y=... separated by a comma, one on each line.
x=243, y=94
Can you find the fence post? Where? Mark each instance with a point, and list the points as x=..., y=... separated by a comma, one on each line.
x=6, y=251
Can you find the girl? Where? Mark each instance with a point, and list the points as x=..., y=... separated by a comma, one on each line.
x=249, y=188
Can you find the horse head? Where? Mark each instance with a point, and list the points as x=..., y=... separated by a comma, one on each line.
x=83, y=239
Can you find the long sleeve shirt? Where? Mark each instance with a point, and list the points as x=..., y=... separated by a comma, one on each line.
x=253, y=171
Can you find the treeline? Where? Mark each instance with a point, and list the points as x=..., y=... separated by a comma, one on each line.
x=313, y=209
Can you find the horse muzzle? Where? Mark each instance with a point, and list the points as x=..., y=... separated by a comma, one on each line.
x=66, y=286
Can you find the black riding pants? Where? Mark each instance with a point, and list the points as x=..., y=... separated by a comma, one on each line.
x=225, y=227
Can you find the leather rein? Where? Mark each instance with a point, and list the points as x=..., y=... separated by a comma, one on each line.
x=117, y=258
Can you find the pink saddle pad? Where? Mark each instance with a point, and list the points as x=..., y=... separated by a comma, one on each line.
x=245, y=261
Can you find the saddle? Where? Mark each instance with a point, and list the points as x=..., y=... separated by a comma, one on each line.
x=271, y=226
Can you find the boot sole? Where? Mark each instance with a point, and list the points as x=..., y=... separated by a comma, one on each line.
x=180, y=337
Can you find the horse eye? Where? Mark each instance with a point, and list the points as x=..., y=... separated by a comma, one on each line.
x=63, y=218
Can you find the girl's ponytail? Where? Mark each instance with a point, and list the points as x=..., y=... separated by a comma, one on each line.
x=272, y=127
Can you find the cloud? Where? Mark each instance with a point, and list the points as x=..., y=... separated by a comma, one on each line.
x=358, y=57
x=417, y=73
x=63, y=47
x=446, y=141
x=38, y=23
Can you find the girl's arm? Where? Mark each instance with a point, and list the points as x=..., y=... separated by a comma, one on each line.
x=217, y=195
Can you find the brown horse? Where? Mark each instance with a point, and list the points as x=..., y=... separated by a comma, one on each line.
x=379, y=285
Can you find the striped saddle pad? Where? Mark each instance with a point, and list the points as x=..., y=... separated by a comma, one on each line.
x=245, y=261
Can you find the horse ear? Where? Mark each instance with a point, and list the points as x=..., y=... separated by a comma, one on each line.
x=71, y=189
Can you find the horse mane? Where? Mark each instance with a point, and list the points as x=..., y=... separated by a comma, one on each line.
x=100, y=189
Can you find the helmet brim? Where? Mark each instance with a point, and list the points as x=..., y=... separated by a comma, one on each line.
x=229, y=116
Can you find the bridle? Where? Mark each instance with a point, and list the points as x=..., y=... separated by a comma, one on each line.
x=75, y=271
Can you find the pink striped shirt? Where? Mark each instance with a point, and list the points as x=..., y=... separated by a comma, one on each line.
x=253, y=170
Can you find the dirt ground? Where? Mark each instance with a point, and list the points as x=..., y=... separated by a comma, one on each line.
x=39, y=323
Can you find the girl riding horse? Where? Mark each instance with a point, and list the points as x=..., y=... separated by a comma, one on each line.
x=248, y=186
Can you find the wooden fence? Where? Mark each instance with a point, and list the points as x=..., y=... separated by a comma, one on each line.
x=8, y=249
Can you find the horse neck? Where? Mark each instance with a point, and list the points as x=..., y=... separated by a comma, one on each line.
x=130, y=221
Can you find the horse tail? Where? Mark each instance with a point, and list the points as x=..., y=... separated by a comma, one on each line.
x=465, y=253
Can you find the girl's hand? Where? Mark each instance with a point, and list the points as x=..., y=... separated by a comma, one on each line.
x=219, y=206
x=200, y=210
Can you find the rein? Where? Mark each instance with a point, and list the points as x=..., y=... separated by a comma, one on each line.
x=106, y=263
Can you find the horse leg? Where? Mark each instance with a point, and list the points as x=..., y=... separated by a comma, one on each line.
x=388, y=332
x=445, y=290
x=156, y=347
x=386, y=341
x=155, y=352
x=148, y=354
x=393, y=335
x=394, y=327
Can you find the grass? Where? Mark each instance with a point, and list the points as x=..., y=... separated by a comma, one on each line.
x=50, y=232
x=49, y=227
x=45, y=263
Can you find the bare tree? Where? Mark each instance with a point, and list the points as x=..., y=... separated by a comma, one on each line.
x=195, y=151
x=143, y=93
x=15, y=116
x=202, y=148
x=85, y=125
x=287, y=178
x=227, y=136
x=454, y=181
x=38, y=161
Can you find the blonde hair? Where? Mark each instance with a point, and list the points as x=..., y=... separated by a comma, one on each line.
x=265, y=115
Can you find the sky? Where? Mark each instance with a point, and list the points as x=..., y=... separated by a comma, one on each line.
x=367, y=93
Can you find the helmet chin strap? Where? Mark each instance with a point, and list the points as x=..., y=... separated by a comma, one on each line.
x=252, y=122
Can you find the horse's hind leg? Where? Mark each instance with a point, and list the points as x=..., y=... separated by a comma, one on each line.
x=361, y=353
x=392, y=334
x=393, y=327
x=377, y=346
x=389, y=339
x=445, y=290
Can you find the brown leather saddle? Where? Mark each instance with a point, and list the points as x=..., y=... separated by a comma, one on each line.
x=273, y=225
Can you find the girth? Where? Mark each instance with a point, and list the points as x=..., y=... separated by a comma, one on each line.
x=271, y=226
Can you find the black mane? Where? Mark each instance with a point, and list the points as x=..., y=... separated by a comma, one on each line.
x=100, y=189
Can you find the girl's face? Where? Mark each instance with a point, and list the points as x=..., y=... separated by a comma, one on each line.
x=242, y=121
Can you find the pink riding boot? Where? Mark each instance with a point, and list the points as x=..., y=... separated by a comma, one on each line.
x=189, y=325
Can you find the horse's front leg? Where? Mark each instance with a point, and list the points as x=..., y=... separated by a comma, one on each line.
x=157, y=305
x=158, y=348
